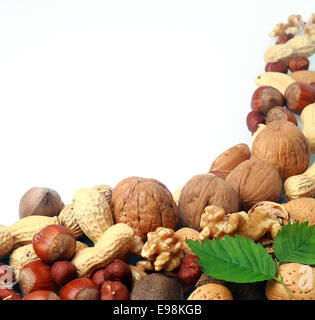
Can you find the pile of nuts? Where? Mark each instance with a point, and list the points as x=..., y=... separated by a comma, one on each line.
x=129, y=242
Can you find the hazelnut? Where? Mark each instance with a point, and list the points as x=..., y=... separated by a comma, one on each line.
x=98, y=277
x=280, y=113
x=42, y=295
x=298, y=63
x=36, y=276
x=118, y=270
x=9, y=294
x=253, y=120
x=40, y=202
x=54, y=243
x=114, y=290
x=313, y=84
x=189, y=271
x=299, y=95
x=63, y=272
x=80, y=289
x=266, y=97
x=284, y=38
x=279, y=66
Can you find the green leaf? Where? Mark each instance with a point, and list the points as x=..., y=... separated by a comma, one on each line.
x=234, y=259
x=296, y=243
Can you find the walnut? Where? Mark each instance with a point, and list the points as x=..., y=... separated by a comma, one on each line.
x=216, y=223
x=283, y=146
x=254, y=225
x=162, y=250
x=274, y=208
x=254, y=181
x=201, y=191
x=295, y=25
x=144, y=204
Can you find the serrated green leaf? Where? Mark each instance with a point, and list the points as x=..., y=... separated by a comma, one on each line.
x=295, y=243
x=234, y=259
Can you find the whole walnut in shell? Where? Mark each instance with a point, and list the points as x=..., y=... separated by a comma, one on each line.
x=144, y=204
x=282, y=145
x=254, y=181
x=201, y=191
x=39, y=201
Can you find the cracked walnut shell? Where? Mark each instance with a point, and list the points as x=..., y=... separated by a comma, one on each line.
x=144, y=204
x=283, y=146
x=201, y=191
x=162, y=250
x=254, y=181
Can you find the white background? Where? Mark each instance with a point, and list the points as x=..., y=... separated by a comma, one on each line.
x=93, y=91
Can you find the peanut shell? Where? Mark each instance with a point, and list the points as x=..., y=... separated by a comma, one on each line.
x=276, y=80
x=115, y=243
x=68, y=219
x=6, y=240
x=92, y=212
x=24, y=229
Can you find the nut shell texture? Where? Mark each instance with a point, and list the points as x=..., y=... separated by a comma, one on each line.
x=283, y=146
x=254, y=181
x=211, y=291
x=40, y=202
x=292, y=275
x=144, y=204
x=92, y=212
x=6, y=240
x=157, y=286
x=68, y=219
x=114, y=244
x=24, y=230
x=302, y=210
x=201, y=191
x=22, y=256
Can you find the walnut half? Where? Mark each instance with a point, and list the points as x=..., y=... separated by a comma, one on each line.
x=254, y=225
x=162, y=251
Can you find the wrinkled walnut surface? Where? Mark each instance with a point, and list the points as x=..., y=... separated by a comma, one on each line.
x=144, y=204
x=201, y=191
x=283, y=146
x=254, y=181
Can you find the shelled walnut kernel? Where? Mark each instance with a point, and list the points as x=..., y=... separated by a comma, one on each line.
x=254, y=225
x=162, y=251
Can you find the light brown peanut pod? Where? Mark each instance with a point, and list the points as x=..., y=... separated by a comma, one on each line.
x=6, y=240
x=24, y=229
x=308, y=124
x=92, y=212
x=68, y=219
x=21, y=257
x=301, y=186
x=276, y=80
x=115, y=243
